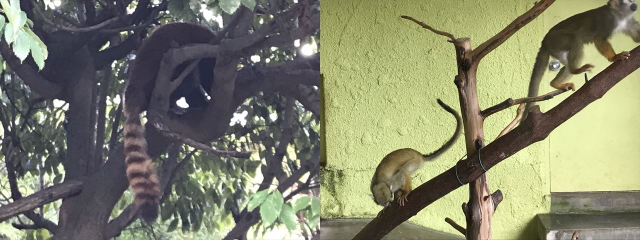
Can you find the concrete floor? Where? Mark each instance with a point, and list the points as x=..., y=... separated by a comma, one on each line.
x=619, y=226
x=348, y=228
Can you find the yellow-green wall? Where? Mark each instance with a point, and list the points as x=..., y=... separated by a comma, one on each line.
x=382, y=75
x=597, y=150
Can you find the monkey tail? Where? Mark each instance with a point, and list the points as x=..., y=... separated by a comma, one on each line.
x=432, y=156
x=140, y=170
x=538, y=71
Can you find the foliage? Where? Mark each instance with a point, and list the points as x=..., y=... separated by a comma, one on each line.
x=18, y=32
x=208, y=190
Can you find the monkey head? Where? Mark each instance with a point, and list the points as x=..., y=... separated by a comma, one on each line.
x=625, y=7
x=382, y=194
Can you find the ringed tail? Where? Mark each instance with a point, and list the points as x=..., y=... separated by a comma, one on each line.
x=538, y=71
x=140, y=169
x=432, y=156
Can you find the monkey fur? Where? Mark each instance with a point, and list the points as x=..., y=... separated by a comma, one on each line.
x=394, y=172
x=566, y=40
x=139, y=166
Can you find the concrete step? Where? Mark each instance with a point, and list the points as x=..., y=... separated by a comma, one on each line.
x=335, y=229
x=590, y=202
x=619, y=226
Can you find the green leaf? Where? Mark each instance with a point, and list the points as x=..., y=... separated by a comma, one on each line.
x=21, y=46
x=288, y=216
x=301, y=203
x=1, y=68
x=271, y=208
x=166, y=211
x=268, y=214
x=23, y=18
x=38, y=49
x=314, y=220
x=177, y=7
x=9, y=34
x=173, y=225
x=229, y=6
x=257, y=199
x=57, y=179
x=315, y=206
x=3, y=21
x=250, y=4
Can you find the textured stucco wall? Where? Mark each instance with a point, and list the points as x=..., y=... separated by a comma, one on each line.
x=597, y=150
x=382, y=75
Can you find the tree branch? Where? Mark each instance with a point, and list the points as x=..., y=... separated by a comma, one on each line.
x=42, y=197
x=105, y=57
x=116, y=225
x=456, y=226
x=30, y=76
x=533, y=129
x=40, y=222
x=510, y=102
x=507, y=32
x=516, y=120
x=73, y=29
x=424, y=25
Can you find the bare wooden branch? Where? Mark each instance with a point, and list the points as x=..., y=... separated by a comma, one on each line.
x=516, y=120
x=424, y=25
x=533, y=129
x=40, y=222
x=456, y=226
x=488, y=46
x=496, y=197
x=198, y=145
x=510, y=102
x=42, y=197
x=115, y=226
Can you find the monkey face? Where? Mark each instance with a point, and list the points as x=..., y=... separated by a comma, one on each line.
x=624, y=6
x=382, y=194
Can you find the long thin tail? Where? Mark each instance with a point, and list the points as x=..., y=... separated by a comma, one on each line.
x=538, y=71
x=140, y=169
x=432, y=156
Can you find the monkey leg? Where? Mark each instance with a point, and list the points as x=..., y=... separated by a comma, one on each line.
x=558, y=81
x=574, y=59
x=406, y=189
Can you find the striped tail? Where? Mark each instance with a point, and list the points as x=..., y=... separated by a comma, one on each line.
x=140, y=169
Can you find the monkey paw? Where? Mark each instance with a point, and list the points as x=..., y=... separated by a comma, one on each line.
x=585, y=68
x=622, y=56
x=403, y=199
x=568, y=86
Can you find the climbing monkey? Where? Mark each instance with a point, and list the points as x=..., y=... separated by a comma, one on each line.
x=566, y=40
x=394, y=172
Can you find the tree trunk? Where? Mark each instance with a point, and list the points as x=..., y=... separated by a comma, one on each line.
x=84, y=216
x=478, y=212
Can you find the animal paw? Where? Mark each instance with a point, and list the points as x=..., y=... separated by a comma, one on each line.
x=585, y=68
x=622, y=56
x=403, y=199
x=568, y=86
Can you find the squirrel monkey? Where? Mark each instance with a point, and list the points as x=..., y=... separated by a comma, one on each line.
x=566, y=39
x=394, y=172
